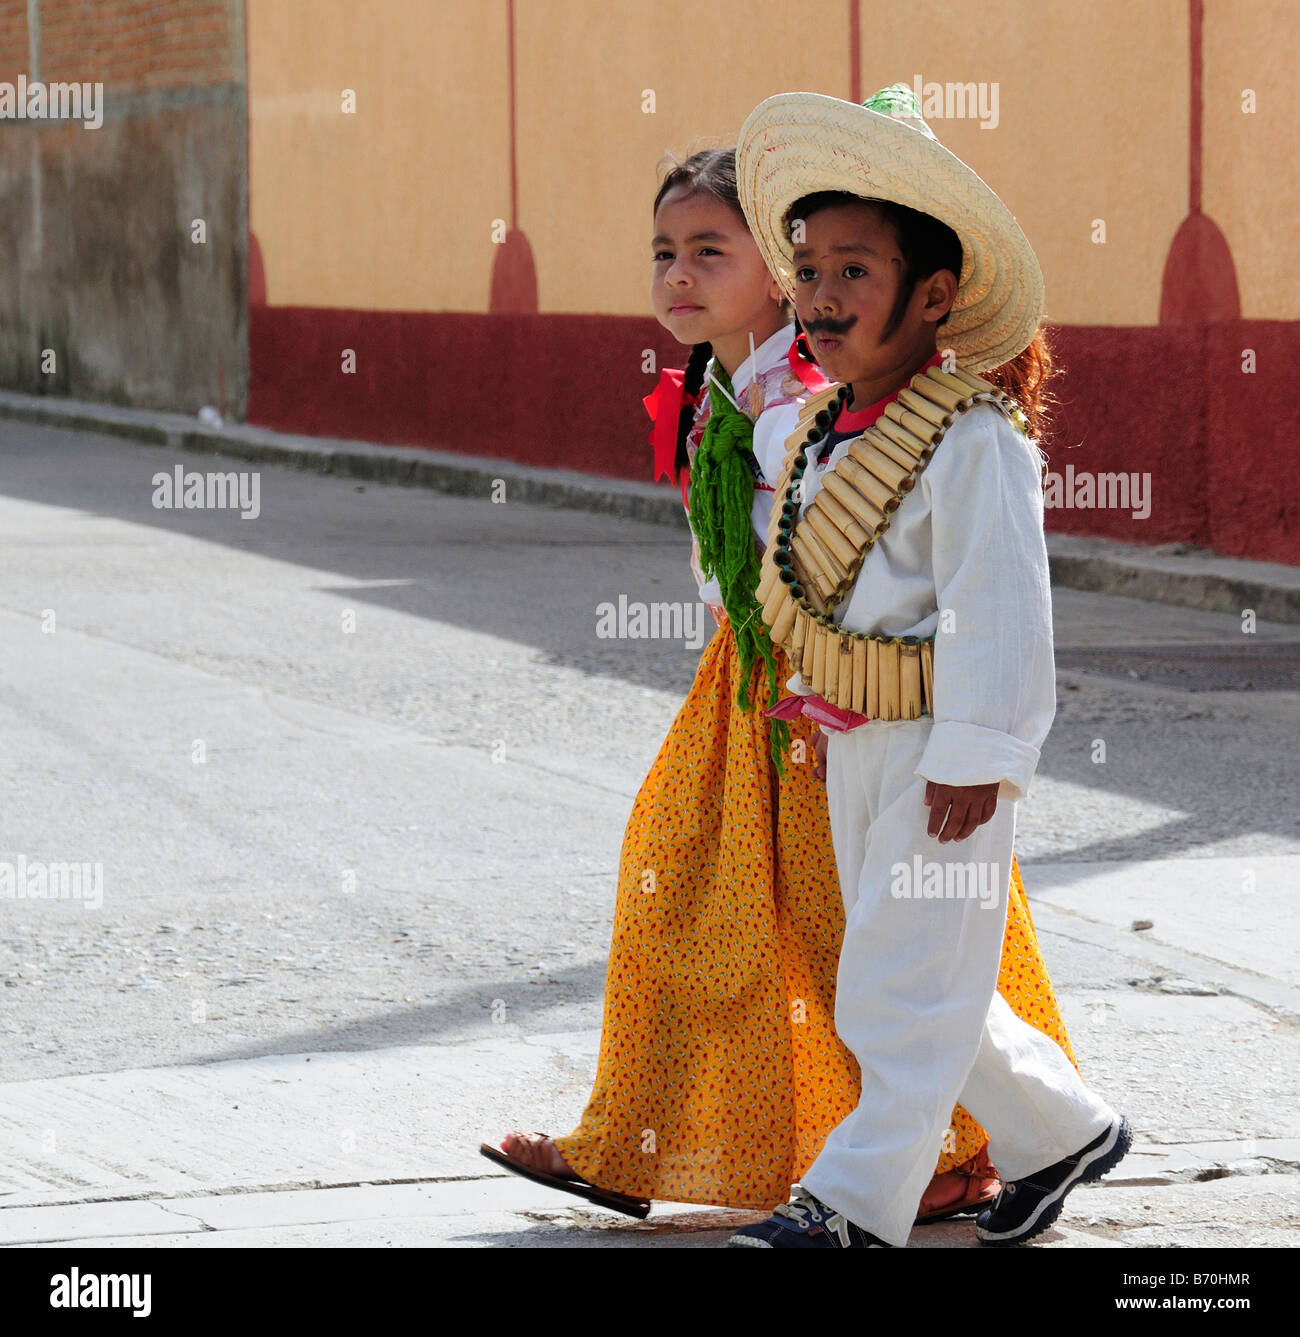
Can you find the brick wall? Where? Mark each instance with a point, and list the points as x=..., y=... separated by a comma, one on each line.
x=139, y=45
x=13, y=37
x=106, y=275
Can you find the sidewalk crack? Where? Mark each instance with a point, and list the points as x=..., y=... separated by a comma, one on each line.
x=189, y=1216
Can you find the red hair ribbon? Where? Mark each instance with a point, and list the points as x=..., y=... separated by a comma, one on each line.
x=664, y=404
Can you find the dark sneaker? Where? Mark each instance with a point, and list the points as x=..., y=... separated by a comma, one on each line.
x=1026, y=1207
x=804, y=1222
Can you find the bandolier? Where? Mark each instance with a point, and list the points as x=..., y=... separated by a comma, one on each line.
x=812, y=561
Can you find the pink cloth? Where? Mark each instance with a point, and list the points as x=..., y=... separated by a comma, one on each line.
x=819, y=710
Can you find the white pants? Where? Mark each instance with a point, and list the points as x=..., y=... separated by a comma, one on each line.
x=917, y=998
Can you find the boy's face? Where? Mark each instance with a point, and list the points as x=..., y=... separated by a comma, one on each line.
x=848, y=269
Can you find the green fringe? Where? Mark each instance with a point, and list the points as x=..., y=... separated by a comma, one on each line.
x=721, y=503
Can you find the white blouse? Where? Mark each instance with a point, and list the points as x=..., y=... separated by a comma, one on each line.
x=775, y=422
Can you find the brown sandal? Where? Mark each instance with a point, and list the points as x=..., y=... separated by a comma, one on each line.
x=980, y=1188
x=602, y=1197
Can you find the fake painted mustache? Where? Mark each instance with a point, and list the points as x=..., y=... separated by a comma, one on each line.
x=835, y=328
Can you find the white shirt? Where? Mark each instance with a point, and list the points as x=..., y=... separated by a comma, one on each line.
x=968, y=541
x=774, y=423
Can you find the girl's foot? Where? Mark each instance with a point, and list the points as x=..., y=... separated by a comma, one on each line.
x=964, y=1190
x=536, y=1151
x=536, y=1157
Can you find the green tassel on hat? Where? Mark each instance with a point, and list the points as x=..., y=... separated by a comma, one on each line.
x=899, y=103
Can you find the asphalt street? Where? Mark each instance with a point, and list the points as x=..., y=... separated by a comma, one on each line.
x=356, y=773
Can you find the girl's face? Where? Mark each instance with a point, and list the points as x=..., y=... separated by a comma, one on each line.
x=710, y=283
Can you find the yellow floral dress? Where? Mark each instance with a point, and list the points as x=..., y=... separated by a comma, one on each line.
x=720, y=1073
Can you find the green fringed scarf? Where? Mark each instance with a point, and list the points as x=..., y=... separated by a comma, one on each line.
x=721, y=503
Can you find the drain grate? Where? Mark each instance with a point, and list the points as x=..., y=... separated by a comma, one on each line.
x=1268, y=666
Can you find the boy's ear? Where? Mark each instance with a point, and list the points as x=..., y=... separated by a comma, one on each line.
x=776, y=292
x=940, y=291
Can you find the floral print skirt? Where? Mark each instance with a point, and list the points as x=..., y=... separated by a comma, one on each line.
x=720, y=1073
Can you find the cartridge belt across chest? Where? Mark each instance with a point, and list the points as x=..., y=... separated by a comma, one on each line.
x=812, y=560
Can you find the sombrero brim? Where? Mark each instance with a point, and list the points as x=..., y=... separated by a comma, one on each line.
x=796, y=143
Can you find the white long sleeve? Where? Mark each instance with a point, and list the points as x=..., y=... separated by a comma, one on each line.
x=968, y=542
x=994, y=673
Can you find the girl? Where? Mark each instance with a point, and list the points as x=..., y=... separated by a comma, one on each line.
x=720, y=1073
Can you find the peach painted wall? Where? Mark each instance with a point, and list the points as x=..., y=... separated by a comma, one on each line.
x=392, y=209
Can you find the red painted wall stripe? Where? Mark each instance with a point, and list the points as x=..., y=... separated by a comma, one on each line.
x=565, y=391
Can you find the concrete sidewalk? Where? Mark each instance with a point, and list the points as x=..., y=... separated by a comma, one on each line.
x=314, y=1149
x=1169, y=573
x=367, y=1148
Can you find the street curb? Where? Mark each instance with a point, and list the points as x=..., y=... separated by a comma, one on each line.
x=1172, y=574
x=410, y=466
x=1176, y=574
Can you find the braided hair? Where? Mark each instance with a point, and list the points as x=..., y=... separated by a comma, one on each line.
x=695, y=366
x=721, y=494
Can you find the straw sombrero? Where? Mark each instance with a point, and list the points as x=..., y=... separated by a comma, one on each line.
x=797, y=143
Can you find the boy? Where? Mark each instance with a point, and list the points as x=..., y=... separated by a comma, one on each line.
x=933, y=666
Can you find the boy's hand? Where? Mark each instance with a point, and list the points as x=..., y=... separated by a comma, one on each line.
x=964, y=806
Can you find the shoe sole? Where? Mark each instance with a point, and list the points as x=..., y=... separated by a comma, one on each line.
x=1099, y=1163
x=948, y=1213
x=599, y=1197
